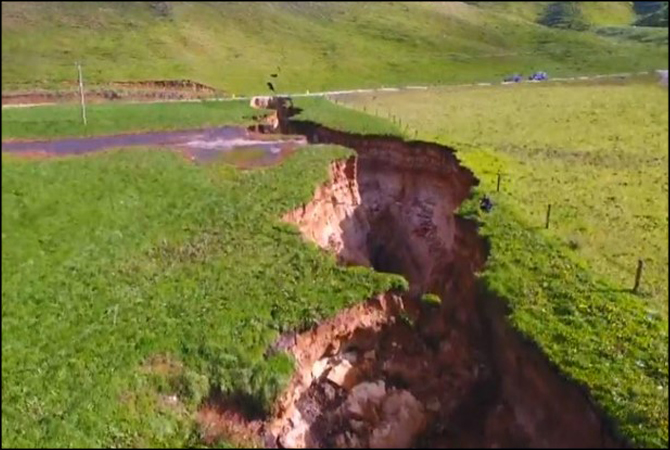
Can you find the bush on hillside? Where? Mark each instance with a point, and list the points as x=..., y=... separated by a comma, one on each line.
x=567, y=15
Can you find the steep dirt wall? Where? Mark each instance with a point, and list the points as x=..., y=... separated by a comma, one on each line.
x=447, y=375
x=332, y=216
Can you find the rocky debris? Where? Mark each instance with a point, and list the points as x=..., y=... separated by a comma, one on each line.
x=337, y=409
x=378, y=417
x=403, y=419
x=364, y=399
x=433, y=405
x=317, y=350
x=350, y=356
x=338, y=370
x=372, y=416
x=344, y=374
x=320, y=367
x=297, y=437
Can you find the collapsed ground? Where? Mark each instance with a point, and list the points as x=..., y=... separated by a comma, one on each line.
x=399, y=370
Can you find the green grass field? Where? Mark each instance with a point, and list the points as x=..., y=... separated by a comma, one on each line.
x=132, y=275
x=60, y=121
x=141, y=255
x=122, y=253
x=112, y=260
x=235, y=46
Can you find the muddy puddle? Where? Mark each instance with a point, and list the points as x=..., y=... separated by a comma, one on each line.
x=397, y=371
x=232, y=144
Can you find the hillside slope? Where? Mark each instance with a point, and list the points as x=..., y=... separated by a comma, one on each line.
x=593, y=14
x=235, y=46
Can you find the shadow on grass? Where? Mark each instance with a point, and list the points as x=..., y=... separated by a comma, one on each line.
x=617, y=290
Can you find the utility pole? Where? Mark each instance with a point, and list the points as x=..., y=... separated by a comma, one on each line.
x=81, y=93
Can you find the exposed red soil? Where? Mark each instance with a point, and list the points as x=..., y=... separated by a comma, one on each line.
x=225, y=418
x=397, y=372
x=185, y=85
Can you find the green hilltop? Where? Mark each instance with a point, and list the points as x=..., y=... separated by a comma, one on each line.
x=235, y=46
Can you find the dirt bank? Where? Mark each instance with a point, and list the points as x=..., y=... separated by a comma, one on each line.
x=399, y=371
x=116, y=91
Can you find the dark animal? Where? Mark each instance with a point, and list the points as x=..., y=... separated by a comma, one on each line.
x=486, y=204
x=273, y=75
x=272, y=88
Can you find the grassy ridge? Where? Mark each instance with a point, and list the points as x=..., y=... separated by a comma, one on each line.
x=126, y=256
x=314, y=46
x=603, y=338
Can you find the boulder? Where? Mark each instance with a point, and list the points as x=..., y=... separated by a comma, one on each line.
x=344, y=374
x=364, y=399
x=403, y=419
x=319, y=367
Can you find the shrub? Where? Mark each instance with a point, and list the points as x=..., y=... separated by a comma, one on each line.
x=431, y=299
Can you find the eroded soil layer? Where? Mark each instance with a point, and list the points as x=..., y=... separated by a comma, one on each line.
x=399, y=371
x=115, y=91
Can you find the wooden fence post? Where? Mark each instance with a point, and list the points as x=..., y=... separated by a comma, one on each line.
x=638, y=275
x=546, y=225
x=81, y=93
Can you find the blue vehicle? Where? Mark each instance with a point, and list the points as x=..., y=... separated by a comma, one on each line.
x=539, y=76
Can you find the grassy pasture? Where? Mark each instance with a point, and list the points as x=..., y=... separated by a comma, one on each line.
x=54, y=121
x=140, y=254
x=114, y=261
x=60, y=121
